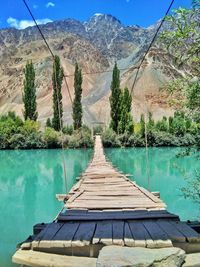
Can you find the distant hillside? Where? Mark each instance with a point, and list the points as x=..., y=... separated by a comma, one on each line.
x=96, y=45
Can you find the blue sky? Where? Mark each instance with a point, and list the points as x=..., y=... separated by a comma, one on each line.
x=130, y=12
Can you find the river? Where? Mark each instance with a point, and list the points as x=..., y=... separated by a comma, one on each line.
x=29, y=181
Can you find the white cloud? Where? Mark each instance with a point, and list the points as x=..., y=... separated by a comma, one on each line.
x=50, y=4
x=22, y=24
x=35, y=6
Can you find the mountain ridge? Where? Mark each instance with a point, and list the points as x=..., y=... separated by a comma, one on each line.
x=96, y=45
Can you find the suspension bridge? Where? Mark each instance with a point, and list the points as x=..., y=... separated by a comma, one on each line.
x=105, y=208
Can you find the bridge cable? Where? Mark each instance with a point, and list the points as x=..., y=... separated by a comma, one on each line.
x=151, y=43
x=135, y=81
x=58, y=103
x=47, y=45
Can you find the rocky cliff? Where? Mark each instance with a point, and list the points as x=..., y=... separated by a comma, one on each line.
x=96, y=45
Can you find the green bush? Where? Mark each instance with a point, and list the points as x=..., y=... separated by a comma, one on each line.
x=124, y=139
x=81, y=139
x=17, y=141
x=51, y=138
x=136, y=140
x=68, y=129
x=109, y=138
x=35, y=140
x=97, y=130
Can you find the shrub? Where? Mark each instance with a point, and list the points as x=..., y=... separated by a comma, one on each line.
x=68, y=129
x=187, y=140
x=35, y=140
x=81, y=139
x=98, y=130
x=109, y=138
x=136, y=140
x=124, y=139
x=4, y=142
x=17, y=141
x=51, y=138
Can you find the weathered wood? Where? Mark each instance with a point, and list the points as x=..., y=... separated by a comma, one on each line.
x=71, y=215
x=53, y=228
x=104, y=187
x=140, y=235
x=118, y=233
x=67, y=232
x=128, y=238
x=172, y=232
x=190, y=234
x=103, y=233
x=157, y=234
x=84, y=234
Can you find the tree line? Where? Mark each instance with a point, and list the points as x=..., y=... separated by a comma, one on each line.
x=29, y=96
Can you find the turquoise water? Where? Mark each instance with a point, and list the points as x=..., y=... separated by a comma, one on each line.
x=29, y=181
x=168, y=174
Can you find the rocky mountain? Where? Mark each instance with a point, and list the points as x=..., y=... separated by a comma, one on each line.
x=96, y=45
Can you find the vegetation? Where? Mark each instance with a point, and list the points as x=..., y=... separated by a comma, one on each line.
x=77, y=106
x=115, y=99
x=57, y=79
x=185, y=25
x=29, y=93
x=18, y=134
x=174, y=131
x=120, y=105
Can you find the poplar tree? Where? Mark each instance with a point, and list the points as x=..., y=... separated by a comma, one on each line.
x=77, y=105
x=115, y=99
x=126, y=120
x=142, y=125
x=57, y=79
x=29, y=93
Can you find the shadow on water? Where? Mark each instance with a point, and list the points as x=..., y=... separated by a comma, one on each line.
x=29, y=181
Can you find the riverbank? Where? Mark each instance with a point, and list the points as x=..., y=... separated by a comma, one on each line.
x=18, y=134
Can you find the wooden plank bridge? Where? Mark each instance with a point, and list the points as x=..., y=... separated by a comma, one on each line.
x=106, y=208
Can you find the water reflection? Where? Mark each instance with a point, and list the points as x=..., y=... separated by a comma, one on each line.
x=167, y=175
x=29, y=181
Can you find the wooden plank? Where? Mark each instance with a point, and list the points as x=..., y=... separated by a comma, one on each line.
x=157, y=234
x=118, y=233
x=117, y=215
x=128, y=238
x=112, y=205
x=52, y=230
x=172, y=232
x=84, y=234
x=67, y=232
x=140, y=235
x=73, y=197
x=190, y=234
x=103, y=233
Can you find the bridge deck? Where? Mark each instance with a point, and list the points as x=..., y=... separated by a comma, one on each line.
x=102, y=187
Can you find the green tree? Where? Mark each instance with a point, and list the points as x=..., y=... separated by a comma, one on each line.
x=29, y=93
x=185, y=25
x=142, y=125
x=182, y=40
x=126, y=120
x=163, y=125
x=48, y=123
x=151, y=122
x=77, y=106
x=115, y=99
x=57, y=79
